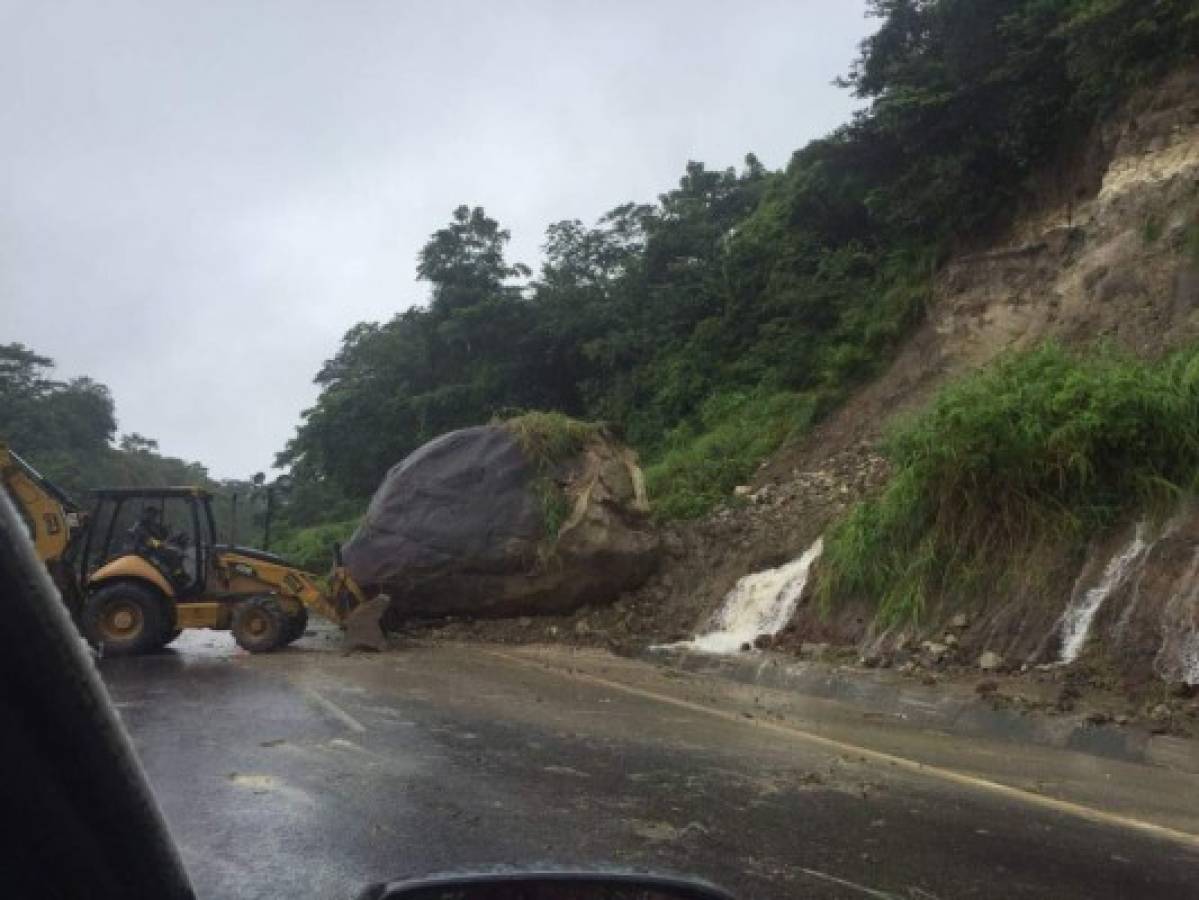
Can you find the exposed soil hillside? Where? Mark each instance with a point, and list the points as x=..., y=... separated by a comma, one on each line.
x=1106, y=252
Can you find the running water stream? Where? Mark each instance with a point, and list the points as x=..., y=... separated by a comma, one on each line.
x=1076, y=621
x=758, y=604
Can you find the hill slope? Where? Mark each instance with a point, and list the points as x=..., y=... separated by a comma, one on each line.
x=1112, y=255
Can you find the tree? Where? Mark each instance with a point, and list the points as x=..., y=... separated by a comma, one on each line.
x=393, y=386
x=135, y=443
x=464, y=261
x=39, y=414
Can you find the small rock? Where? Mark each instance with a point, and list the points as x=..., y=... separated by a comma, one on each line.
x=986, y=688
x=1098, y=718
x=552, y=631
x=951, y=640
x=990, y=661
x=742, y=490
x=746, y=647
x=1160, y=713
x=1121, y=719
x=581, y=627
x=934, y=651
x=959, y=621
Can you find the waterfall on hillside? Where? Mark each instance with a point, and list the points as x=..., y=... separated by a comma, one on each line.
x=1075, y=625
x=758, y=604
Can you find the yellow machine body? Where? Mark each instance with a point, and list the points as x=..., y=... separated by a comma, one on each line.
x=51, y=522
x=230, y=577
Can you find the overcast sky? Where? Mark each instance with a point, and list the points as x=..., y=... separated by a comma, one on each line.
x=197, y=199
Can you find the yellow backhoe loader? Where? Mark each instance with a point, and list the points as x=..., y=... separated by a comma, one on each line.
x=145, y=564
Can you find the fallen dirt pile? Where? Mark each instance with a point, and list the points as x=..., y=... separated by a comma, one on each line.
x=478, y=523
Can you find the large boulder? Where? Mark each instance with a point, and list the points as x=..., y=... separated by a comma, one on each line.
x=466, y=526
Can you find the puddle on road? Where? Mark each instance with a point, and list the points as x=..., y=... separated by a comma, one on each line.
x=262, y=784
x=664, y=831
x=259, y=784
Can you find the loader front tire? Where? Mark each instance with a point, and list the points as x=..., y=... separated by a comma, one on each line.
x=259, y=624
x=296, y=625
x=124, y=618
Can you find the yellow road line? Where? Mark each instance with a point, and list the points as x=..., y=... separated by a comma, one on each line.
x=1067, y=807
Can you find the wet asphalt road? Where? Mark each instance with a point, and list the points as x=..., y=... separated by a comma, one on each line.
x=307, y=773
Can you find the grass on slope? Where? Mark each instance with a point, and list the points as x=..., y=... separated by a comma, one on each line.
x=1042, y=446
x=701, y=464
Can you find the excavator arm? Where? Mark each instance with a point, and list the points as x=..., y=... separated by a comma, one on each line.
x=52, y=517
x=334, y=598
x=53, y=520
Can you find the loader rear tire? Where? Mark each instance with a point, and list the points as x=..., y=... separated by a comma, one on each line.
x=259, y=624
x=124, y=618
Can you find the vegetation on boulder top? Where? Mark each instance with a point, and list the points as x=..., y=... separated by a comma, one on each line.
x=548, y=438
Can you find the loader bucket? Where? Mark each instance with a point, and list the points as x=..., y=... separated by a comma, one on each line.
x=363, y=631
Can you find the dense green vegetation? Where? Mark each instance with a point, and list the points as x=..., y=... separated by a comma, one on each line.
x=1044, y=446
x=712, y=325
x=311, y=548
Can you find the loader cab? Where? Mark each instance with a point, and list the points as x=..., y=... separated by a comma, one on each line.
x=179, y=521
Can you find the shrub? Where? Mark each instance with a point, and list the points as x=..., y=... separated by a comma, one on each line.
x=549, y=438
x=312, y=548
x=701, y=463
x=1042, y=446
